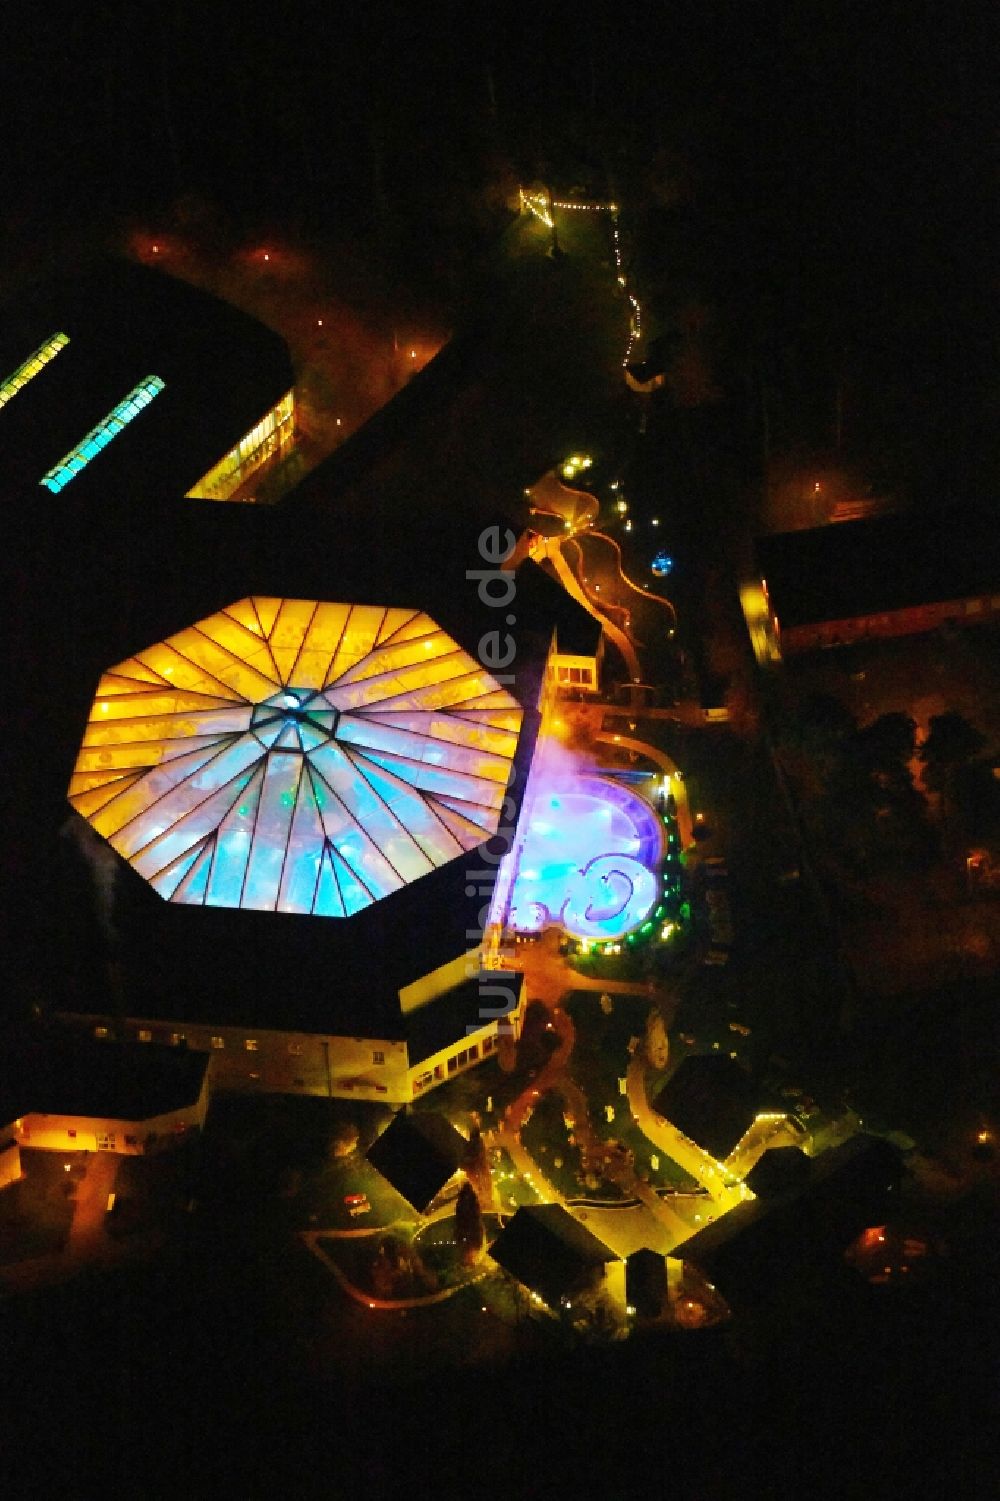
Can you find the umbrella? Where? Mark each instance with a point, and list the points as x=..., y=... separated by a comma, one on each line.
x=296, y=756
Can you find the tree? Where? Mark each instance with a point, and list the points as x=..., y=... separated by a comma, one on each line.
x=344, y=1140
x=477, y=1167
x=657, y=1047
x=951, y=743
x=888, y=744
x=947, y=753
x=468, y=1225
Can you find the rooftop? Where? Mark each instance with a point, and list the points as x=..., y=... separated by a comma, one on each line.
x=887, y=563
x=58, y=1071
x=814, y=1219
x=418, y=1154
x=221, y=371
x=546, y=1248
x=711, y=1099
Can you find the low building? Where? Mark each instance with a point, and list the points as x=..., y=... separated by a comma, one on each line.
x=646, y=1283
x=10, y=1158
x=573, y=668
x=555, y=1257
x=779, y=1170
x=897, y=575
x=809, y=1224
x=62, y=1091
x=418, y=1154
x=120, y=379
x=711, y=1099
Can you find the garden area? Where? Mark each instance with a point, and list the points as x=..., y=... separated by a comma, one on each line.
x=404, y=1263
x=600, y=1059
x=549, y=1136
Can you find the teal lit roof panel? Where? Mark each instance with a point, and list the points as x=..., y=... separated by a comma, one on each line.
x=56, y=478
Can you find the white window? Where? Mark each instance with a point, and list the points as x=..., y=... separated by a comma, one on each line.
x=251, y=1044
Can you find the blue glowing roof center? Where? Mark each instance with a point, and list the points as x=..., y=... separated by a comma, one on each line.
x=295, y=719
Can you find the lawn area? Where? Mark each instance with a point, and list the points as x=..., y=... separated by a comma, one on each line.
x=318, y=1201
x=546, y=1137
x=509, y=1183
x=423, y=1263
x=277, y=1150
x=600, y=1058
x=36, y=1212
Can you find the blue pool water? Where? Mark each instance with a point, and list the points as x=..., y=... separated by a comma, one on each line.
x=590, y=860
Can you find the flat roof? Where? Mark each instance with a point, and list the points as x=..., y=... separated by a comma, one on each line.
x=54, y=1070
x=886, y=563
x=418, y=1153
x=221, y=369
x=711, y=1099
x=453, y=1014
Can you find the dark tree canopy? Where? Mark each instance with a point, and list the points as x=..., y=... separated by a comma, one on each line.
x=468, y=1222
x=951, y=742
x=888, y=743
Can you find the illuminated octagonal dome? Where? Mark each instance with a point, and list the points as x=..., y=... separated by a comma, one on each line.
x=295, y=756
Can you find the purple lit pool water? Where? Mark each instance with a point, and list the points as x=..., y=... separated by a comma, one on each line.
x=590, y=860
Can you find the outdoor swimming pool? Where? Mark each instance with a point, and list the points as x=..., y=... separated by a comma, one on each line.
x=590, y=860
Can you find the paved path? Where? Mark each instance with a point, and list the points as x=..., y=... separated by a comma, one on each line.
x=771, y=1131
x=312, y=1238
x=711, y=1175
x=87, y=1232
x=88, y=1243
x=654, y=1223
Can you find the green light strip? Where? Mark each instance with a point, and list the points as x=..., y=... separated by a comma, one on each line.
x=32, y=365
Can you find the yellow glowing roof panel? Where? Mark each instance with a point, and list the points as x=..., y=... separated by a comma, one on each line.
x=296, y=756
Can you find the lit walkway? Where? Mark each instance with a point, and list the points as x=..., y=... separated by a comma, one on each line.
x=667, y=765
x=711, y=1175
x=654, y=1222
x=769, y=1131
x=88, y=1243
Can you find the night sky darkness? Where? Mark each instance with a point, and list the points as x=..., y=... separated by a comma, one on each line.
x=823, y=176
